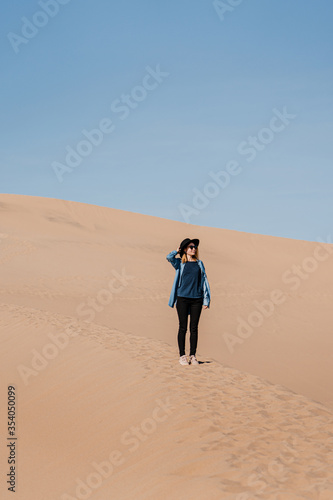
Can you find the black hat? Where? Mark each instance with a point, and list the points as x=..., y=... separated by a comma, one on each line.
x=186, y=242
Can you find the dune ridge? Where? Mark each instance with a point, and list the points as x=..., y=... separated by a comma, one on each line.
x=89, y=342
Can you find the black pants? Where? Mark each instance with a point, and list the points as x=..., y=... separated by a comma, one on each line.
x=185, y=305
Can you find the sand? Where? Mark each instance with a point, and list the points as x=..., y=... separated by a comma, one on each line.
x=103, y=408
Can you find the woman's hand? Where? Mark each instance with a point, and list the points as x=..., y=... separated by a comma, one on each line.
x=205, y=307
x=178, y=249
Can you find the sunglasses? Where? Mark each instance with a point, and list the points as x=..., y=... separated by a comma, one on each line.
x=193, y=246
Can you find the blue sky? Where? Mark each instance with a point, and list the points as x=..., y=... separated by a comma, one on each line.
x=221, y=76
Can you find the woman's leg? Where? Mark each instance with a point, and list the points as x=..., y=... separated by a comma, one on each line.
x=195, y=311
x=182, y=310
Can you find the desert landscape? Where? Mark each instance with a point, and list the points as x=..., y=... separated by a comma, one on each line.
x=89, y=349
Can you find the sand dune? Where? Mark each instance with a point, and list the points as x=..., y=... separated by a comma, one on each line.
x=104, y=410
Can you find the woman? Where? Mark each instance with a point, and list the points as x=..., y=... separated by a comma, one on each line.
x=190, y=292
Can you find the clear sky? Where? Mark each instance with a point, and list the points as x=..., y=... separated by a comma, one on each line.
x=217, y=114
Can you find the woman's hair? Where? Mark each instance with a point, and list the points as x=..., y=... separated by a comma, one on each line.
x=196, y=255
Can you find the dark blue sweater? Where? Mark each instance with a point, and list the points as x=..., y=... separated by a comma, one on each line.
x=190, y=283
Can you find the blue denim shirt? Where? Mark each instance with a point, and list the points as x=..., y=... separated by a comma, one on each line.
x=179, y=266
